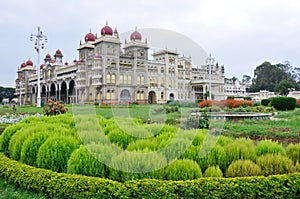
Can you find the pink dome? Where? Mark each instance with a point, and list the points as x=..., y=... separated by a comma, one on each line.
x=136, y=35
x=42, y=66
x=75, y=61
x=106, y=30
x=58, y=52
x=48, y=56
x=29, y=63
x=66, y=63
x=23, y=65
x=89, y=37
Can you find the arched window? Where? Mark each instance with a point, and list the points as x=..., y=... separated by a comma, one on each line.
x=108, y=94
x=113, y=78
x=108, y=80
x=138, y=80
x=121, y=79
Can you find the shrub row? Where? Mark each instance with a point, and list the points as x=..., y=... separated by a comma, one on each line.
x=76, y=186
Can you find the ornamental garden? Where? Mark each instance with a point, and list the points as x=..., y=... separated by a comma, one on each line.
x=160, y=151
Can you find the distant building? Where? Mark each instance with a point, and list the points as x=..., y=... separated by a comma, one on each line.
x=106, y=73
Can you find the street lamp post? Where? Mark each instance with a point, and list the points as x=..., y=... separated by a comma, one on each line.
x=210, y=61
x=40, y=40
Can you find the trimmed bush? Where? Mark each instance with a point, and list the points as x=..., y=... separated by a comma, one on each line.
x=240, y=149
x=182, y=170
x=269, y=147
x=297, y=167
x=215, y=157
x=243, y=168
x=31, y=147
x=137, y=165
x=293, y=152
x=213, y=171
x=55, y=152
x=90, y=160
x=283, y=103
x=265, y=102
x=6, y=136
x=120, y=138
x=60, y=185
x=272, y=164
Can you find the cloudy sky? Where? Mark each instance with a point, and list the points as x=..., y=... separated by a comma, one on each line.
x=240, y=34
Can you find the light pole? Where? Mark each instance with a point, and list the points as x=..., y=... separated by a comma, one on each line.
x=40, y=40
x=210, y=61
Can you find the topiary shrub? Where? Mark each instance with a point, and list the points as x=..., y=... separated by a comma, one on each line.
x=297, y=167
x=269, y=147
x=6, y=136
x=272, y=164
x=240, y=149
x=283, y=103
x=243, y=168
x=55, y=152
x=90, y=160
x=137, y=165
x=120, y=138
x=213, y=171
x=215, y=157
x=31, y=147
x=184, y=169
x=293, y=152
x=265, y=102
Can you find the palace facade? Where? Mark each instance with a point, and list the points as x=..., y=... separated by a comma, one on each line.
x=108, y=72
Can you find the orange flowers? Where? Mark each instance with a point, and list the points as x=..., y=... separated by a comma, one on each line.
x=55, y=108
x=229, y=103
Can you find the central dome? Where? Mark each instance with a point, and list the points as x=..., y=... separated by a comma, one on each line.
x=136, y=35
x=106, y=30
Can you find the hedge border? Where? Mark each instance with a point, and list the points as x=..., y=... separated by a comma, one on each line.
x=77, y=186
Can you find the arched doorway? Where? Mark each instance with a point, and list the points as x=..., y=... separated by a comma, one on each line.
x=33, y=95
x=171, y=96
x=52, y=92
x=63, y=92
x=72, y=94
x=44, y=94
x=125, y=96
x=152, y=97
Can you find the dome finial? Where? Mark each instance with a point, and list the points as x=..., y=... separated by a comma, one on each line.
x=106, y=22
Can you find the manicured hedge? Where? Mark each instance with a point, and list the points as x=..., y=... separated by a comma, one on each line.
x=283, y=103
x=76, y=186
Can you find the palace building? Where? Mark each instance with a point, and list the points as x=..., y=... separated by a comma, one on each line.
x=109, y=72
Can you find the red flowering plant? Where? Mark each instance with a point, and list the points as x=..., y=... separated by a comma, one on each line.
x=55, y=108
x=298, y=103
x=210, y=103
x=232, y=103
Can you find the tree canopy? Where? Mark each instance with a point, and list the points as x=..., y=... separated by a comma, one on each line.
x=267, y=76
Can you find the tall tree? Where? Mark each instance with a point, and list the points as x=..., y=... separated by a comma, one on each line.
x=284, y=87
x=267, y=76
x=246, y=79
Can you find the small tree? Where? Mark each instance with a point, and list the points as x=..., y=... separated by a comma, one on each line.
x=284, y=87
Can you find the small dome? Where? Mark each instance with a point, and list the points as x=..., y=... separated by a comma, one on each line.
x=136, y=35
x=48, y=56
x=42, y=66
x=89, y=37
x=29, y=63
x=23, y=65
x=66, y=63
x=106, y=30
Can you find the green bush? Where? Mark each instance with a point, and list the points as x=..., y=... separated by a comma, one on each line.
x=293, y=152
x=6, y=136
x=240, y=149
x=31, y=147
x=297, y=167
x=215, y=157
x=90, y=160
x=224, y=141
x=139, y=145
x=243, y=168
x=199, y=137
x=120, y=138
x=137, y=165
x=265, y=102
x=269, y=147
x=272, y=164
x=184, y=169
x=60, y=185
x=213, y=171
x=55, y=152
x=283, y=103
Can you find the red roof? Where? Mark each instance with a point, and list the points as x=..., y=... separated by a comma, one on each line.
x=29, y=63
